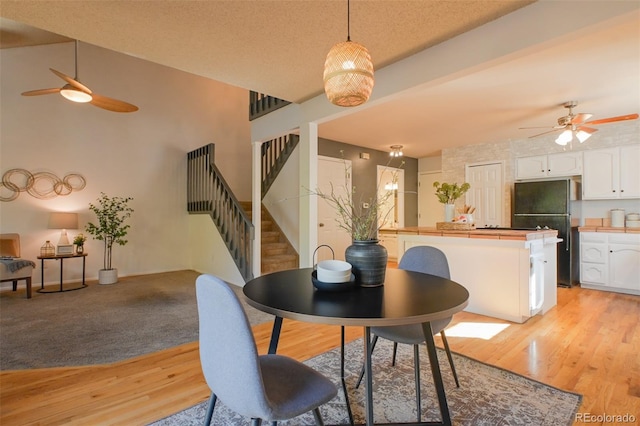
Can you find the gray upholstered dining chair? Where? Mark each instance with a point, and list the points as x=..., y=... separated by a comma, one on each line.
x=428, y=260
x=262, y=387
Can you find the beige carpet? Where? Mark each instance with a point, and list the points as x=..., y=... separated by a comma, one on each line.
x=101, y=323
x=487, y=395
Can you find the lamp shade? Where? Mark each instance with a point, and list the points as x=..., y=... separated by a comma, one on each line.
x=348, y=74
x=59, y=220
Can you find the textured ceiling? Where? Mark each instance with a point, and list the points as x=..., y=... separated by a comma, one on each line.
x=274, y=47
x=278, y=47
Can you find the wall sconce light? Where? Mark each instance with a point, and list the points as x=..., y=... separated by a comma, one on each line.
x=396, y=151
x=63, y=221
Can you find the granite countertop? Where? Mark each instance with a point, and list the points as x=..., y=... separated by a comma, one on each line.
x=490, y=234
x=608, y=229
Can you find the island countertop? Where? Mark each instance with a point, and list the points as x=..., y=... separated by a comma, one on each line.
x=490, y=234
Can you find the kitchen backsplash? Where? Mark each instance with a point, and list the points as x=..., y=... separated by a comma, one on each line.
x=602, y=208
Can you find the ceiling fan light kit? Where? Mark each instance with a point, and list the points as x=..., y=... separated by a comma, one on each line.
x=75, y=95
x=348, y=72
x=78, y=92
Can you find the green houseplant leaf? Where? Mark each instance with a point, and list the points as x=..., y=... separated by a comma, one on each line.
x=111, y=213
x=448, y=193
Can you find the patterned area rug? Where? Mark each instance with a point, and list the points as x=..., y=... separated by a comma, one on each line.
x=487, y=395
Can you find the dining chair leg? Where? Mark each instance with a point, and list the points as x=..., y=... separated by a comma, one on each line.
x=318, y=417
x=448, y=351
x=395, y=351
x=416, y=368
x=210, y=407
x=373, y=346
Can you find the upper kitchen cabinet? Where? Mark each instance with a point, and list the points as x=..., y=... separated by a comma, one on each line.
x=611, y=173
x=551, y=165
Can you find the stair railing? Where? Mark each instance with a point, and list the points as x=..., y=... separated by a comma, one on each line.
x=274, y=155
x=208, y=192
x=261, y=104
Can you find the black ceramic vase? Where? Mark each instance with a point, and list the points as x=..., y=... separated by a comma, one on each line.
x=369, y=262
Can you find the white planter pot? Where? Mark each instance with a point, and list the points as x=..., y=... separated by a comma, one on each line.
x=449, y=212
x=108, y=276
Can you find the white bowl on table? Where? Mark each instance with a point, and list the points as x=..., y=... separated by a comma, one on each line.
x=334, y=271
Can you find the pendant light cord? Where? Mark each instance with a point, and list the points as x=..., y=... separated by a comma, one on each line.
x=76, y=56
x=348, y=21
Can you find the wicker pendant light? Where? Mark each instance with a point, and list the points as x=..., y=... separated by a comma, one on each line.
x=348, y=72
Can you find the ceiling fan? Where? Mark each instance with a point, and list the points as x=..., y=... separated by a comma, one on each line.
x=78, y=92
x=576, y=125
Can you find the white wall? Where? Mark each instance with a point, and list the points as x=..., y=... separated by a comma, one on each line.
x=282, y=199
x=141, y=154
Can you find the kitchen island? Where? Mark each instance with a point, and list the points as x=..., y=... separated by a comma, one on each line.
x=510, y=274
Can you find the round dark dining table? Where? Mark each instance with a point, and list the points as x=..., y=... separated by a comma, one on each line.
x=406, y=297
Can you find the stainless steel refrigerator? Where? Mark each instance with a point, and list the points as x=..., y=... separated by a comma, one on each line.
x=547, y=204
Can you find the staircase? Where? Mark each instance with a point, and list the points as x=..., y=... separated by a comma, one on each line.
x=277, y=254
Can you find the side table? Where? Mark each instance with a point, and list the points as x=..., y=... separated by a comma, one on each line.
x=61, y=258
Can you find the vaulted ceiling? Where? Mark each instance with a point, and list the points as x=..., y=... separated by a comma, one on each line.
x=278, y=47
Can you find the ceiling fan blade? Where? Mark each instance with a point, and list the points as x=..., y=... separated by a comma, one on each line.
x=613, y=119
x=41, y=92
x=544, y=133
x=542, y=127
x=71, y=81
x=587, y=129
x=581, y=118
x=112, y=104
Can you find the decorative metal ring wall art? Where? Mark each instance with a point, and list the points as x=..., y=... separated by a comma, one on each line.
x=41, y=185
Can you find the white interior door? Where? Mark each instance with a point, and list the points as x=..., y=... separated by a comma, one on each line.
x=332, y=171
x=486, y=193
x=430, y=210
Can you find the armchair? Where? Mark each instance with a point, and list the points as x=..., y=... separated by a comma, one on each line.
x=12, y=268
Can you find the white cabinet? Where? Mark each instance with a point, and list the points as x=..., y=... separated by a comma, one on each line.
x=611, y=173
x=390, y=241
x=610, y=261
x=552, y=165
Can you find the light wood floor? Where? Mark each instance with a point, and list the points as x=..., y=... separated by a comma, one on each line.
x=589, y=344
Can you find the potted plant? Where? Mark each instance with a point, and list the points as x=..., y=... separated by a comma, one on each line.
x=359, y=215
x=111, y=213
x=447, y=194
x=79, y=242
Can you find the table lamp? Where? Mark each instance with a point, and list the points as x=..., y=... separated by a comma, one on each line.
x=63, y=221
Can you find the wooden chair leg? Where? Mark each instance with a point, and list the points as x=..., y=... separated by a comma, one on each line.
x=28, y=279
x=395, y=351
x=15, y=285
